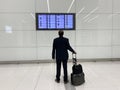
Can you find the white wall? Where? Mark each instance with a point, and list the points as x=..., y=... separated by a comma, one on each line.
x=97, y=33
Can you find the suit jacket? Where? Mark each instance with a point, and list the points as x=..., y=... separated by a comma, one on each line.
x=60, y=48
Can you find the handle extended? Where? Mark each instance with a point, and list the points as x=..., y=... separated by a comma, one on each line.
x=74, y=57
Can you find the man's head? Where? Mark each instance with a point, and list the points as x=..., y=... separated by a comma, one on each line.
x=60, y=33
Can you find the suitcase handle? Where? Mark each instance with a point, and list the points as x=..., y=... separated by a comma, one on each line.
x=74, y=58
x=73, y=55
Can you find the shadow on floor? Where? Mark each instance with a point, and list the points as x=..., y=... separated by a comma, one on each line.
x=68, y=86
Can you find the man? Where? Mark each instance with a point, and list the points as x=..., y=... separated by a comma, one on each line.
x=60, y=53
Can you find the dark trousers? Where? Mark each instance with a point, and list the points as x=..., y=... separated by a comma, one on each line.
x=58, y=69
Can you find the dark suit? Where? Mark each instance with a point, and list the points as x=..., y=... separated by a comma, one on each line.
x=60, y=52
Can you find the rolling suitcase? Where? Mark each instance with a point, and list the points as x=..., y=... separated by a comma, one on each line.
x=77, y=75
x=77, y=69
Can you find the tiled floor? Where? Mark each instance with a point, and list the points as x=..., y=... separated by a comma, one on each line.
x=98, y=75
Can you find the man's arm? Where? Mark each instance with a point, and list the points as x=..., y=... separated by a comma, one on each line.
x=69, y=47
x=53, y=50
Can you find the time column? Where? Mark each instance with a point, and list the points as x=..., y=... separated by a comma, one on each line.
x=60, y=21
x=42, y=21
x=51, y=21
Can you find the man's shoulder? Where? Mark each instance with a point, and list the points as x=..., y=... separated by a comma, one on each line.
x=62, y=38
x=56, y=38
x=65, y=38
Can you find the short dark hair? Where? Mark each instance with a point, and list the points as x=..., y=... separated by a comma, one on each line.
x=61, y=32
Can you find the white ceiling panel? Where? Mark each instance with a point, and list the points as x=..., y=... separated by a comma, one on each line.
x=55, y=6
x=41, y=6
x=93, y=6
x=17, y=6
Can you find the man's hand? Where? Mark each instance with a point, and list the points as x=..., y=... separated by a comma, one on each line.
x=53, y=58
x=74, y=52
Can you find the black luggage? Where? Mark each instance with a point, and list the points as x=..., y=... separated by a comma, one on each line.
x=77, y=79
x=77, y=69
x=77, y=75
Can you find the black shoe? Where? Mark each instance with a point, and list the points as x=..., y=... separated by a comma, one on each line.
x=66, y=81
x=57, y=80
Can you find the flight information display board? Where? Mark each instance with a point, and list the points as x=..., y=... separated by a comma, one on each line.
x=55, y=21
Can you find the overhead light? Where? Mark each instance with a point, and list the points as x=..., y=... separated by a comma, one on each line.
x=93, y=18
x=70, y=6
x=80, y=11
x=90, y=13
x=32, y=15
x=48, y=4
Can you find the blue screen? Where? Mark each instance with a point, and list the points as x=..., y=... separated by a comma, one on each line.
x=51, y=21
x=55, y=21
